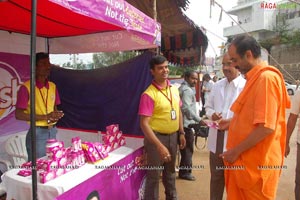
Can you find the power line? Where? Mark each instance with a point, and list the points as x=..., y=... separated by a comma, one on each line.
x=239, y=25
x=220, y=37
x=293, y=1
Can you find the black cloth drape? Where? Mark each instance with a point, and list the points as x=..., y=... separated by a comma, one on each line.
x=94, y=99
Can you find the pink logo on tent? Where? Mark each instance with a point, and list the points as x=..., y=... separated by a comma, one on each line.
x=9, y=84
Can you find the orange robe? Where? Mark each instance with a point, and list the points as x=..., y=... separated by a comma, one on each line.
x=263, y=101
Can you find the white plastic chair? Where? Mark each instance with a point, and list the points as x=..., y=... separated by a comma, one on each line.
x=2, y=188
x=16, y=148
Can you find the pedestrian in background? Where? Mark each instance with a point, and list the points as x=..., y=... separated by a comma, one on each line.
x=190, y=116
x=206, y=87
x=215, y=79
x=293, y=117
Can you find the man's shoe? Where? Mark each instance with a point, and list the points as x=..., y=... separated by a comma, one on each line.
x=188, y=177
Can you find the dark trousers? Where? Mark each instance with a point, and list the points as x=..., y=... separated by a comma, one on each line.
x=157, y=166
x=185, y=166
x=217, y=179
x=297, y=180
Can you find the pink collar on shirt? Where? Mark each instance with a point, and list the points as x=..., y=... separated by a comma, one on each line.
x=158, y=86
x=40, y=85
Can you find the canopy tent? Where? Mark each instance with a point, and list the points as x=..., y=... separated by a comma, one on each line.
x=82, y=26
x=183, y=42
x=55, y=21
x=59, y=28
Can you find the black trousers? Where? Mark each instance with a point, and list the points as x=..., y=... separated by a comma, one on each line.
x=185, y=166
x=217, y=179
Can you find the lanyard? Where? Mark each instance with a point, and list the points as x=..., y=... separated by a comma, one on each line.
x=45, y=101
x=169, y=99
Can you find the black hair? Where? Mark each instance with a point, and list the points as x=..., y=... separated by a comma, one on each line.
x=206, y=76
x=244, y=43
x=39, y=56
x=188, y=73
x=156, y=60
x=93, y=194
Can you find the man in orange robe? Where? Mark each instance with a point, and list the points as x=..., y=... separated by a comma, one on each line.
x=257, y=131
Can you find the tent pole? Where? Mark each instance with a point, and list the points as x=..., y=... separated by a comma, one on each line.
x=32, y=97
x=155, y=19
x=154, y=10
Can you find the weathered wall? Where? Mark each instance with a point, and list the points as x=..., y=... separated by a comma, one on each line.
x=289, y=58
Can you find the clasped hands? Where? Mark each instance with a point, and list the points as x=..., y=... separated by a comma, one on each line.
x=54, y=116
x=222, y=124
x=231, y=155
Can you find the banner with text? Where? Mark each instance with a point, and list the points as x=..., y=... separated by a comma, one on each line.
x=117, y=12
x=123, y=180
x=14, y=69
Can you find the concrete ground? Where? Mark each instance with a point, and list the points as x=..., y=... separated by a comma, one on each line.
x=199, y=189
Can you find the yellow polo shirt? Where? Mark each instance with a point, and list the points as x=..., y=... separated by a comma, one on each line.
x=154, y=103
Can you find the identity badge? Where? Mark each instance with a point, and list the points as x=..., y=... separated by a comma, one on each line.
x=173, y=114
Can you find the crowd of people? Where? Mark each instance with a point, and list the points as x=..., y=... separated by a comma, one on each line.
x=248, y=105
x=251, y=138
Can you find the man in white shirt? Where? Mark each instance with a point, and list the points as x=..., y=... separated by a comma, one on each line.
x=217, y=106
x=295, y=111
x=206, y=87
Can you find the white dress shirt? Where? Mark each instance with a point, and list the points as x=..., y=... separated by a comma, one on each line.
x=295, y=109
x=220, y=99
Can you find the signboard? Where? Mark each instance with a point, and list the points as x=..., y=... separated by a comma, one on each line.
x=14, y=69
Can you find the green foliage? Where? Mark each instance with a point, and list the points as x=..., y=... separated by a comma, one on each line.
x=179, y=71
x=101, y=60
x=295, y=39
x=108, y=59
x=79, y=66
x=284, y=35
x=175, y=71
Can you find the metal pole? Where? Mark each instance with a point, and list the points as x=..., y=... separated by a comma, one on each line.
x=154, y=10
x=32, y=97
x=155, y=18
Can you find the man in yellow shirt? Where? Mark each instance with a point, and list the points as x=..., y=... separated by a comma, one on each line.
x=257, y=130
x=160, y=121
x=46, y=100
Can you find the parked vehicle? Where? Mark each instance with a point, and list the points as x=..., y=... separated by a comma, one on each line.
x=291, y=89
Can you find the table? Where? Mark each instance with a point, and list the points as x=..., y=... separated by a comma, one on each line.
x=116, y=177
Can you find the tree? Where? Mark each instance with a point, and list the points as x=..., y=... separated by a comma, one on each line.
x=79, y=65
x=283, y=34
x=107, y=59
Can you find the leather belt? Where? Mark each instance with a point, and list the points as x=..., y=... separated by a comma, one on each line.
x=46, y=127
x=163, y=134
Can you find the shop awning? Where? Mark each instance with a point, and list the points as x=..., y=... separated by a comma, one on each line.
x=82, y=21
x=183, y=42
